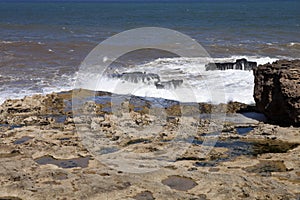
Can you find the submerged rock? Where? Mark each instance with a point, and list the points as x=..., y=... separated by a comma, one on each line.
x=277, y=91
x=169, y=84
x=241, y=64
x=137, y=77
x=147, y=78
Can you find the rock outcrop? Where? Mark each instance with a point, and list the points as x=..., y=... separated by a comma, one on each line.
x=169, y=84
x=137, y=77
x=277, y=91
x=54, y=161
x=148, y=78
x=240, y=64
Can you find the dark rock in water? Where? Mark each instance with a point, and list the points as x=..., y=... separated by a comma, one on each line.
x=241, y=64
x=244, y=130
x=137, y=77
x=169, y=84
x=277, y=91
x=219, y=66
x=148, y=78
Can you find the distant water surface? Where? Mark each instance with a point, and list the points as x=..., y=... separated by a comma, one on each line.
x=42, y=44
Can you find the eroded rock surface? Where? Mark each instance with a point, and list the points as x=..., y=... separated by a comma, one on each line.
x=241, y=64
x=277, y=91
x=51, y=160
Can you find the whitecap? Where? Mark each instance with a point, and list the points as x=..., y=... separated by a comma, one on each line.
x=205, y=86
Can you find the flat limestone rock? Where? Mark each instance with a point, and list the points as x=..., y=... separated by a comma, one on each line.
x=52, y=161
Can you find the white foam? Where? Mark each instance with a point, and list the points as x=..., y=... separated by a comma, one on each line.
x=294, y=44
x=200, y=85
x=65, y=83
x=6, y=42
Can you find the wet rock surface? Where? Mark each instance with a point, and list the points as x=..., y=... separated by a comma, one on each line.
x=250, y=159
x=241, y=64
x=67, y=163
x=277, y=91
x=147, y=78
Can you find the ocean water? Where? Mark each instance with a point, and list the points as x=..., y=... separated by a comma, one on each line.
x=43, y=43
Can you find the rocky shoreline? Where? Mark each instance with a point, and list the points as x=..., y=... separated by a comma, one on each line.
x=277, y=91
x=43, y=154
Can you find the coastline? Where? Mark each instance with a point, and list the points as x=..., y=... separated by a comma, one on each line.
x=43, y=151
x=161, y=121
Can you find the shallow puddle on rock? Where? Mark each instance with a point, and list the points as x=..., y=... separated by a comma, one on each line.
x=102, y=99
x=108, y=150
x=10, y=127
x=244, y=130
x=179, y=183
x=235, y=147
x=107, y=109
x=4, y=125
x=64, y=163
x=146, y=195
x=15, y=126
x=57, y=118
x=22, y=140
x=205, y=164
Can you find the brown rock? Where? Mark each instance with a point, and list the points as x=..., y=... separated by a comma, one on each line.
x=277, y=91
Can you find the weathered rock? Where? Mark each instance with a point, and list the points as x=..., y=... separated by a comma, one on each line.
x=137, y=77
x=277, y=91
x=37, y=109
x=241, y=64
x=148, y=78
x=53, y=161
x=168, y=84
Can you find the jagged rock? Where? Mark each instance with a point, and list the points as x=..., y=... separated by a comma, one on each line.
x=35, y=120
x=169, y=84
x=20, y=111
x=241, y=64
x=148, y=78
x=36, y=160
x=137, y=77
x=277, y=91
